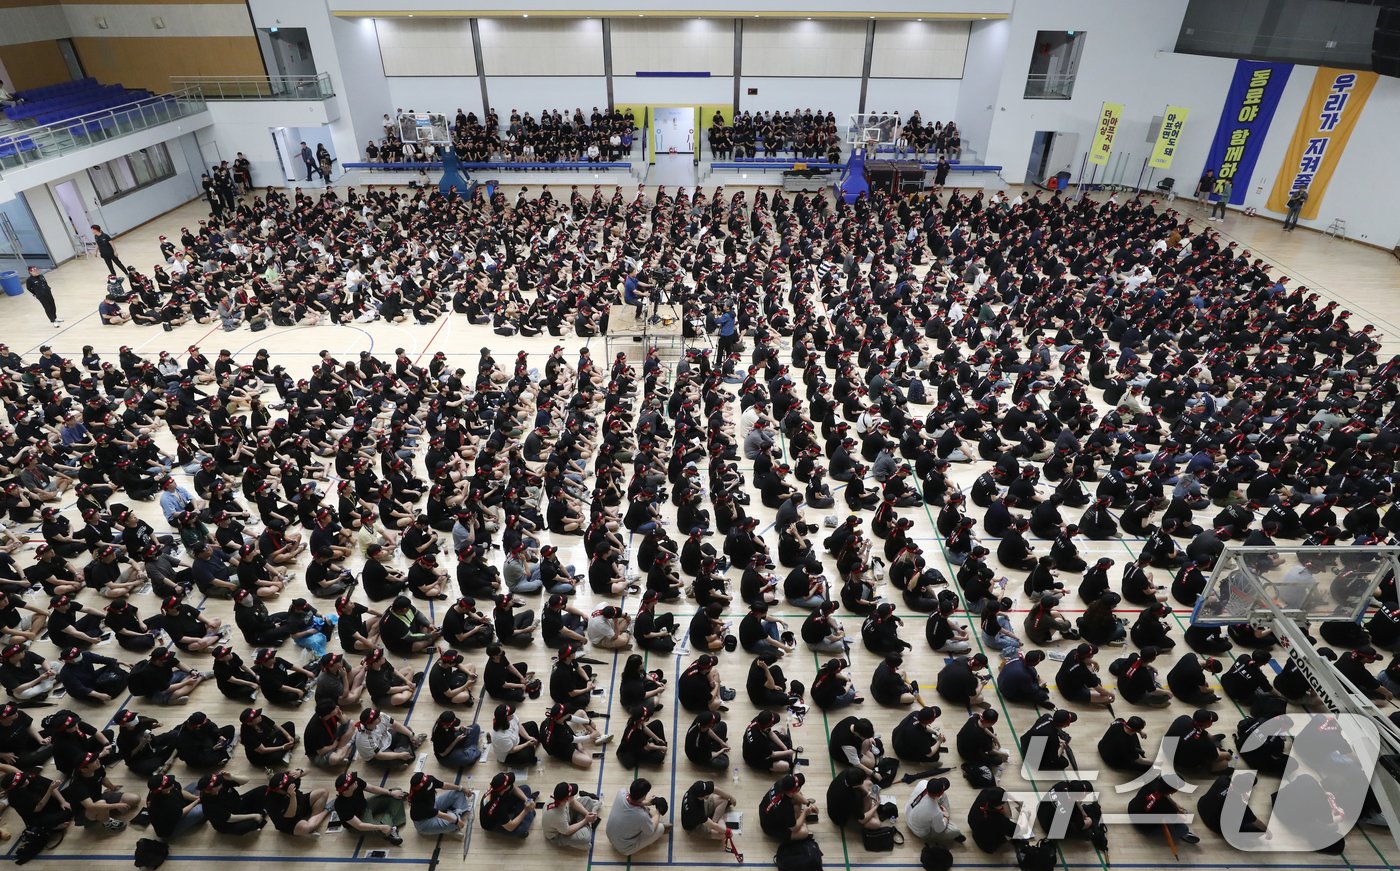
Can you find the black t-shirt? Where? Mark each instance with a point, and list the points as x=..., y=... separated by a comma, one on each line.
x=843, y=803
x=497, y=810
x=219, y=806
x=758, y=747
x=776, y=814
x=693, y=689
x=277, y=803
x=693, y=804
x=166, y=810
x=319, y=735
x=348, y=807
x=956, y=682
x=443, y=679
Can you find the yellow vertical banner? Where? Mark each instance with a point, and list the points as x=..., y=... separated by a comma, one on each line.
x=1173, y=119
x=1324, y=126
x=1104, y=132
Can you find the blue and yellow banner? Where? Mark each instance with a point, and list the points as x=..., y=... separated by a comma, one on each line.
x=1244, y=122
x=1324, y=126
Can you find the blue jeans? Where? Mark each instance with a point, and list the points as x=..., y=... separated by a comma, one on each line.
x=843, y=700
x=450, y=802
x=192, y=820
x=521, y=830
x=647, y=528
x=468, y=752
x=809, y=602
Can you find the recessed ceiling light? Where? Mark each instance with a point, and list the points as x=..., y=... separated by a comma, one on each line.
x=526, y=15
x=918, y=19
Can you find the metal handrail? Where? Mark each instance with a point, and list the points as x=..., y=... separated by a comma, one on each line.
x=33, y=144
x=317, y=87
x=1043, y=86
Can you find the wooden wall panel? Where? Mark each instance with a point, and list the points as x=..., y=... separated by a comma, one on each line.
x=149, y=62
x=33, y=64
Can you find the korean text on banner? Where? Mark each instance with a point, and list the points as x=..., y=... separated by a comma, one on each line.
x=1325, y=125
x=1244, y=122
x=1168, y=137
x=1107, y=128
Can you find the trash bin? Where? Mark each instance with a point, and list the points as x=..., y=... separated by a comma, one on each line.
x=10, y=280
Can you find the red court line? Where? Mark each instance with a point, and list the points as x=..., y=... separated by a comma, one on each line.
x=432, y=339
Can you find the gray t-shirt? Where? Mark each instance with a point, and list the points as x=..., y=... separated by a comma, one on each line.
x=628, y=824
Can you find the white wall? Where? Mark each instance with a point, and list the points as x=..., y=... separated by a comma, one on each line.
x=804, y=48
x=935, y=99
x=841, y=96
x=981, y=79
x=1127, y=59
x=631, y=89
x=919, y=49
x=691, y=45
x=348, y=51
x=541, y=46
x=246, y=127
x=135, y=209
x=535, y=93
x=426, y=46
x=445, y=95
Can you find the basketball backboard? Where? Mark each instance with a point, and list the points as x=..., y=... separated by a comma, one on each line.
x=878, y=127
x=1321, y=583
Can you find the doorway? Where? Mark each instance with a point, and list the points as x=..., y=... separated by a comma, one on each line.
x=75, y=214
x=1052, y=153
x=21, y=242
x=673, y=129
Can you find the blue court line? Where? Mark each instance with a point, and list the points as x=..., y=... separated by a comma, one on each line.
x=904, y=866
x=602, y=763
x=676, y=742
x=235, y=857
x=408, y=715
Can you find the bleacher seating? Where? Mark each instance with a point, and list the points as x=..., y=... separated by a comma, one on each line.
x=55, y=103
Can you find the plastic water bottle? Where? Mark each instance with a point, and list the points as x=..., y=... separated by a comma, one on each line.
x=736, y=775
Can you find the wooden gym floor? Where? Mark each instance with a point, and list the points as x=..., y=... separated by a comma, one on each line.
x=1363, y=278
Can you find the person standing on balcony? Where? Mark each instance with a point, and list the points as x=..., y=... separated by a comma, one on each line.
x=38, y=287
x=107, y=252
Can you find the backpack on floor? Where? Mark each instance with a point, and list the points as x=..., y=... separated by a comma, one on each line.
x=1036, y=856
x=151, y=853
x=803, y=855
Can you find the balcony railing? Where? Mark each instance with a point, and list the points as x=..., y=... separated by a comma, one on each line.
x=30, y=145
x=317, y=87
x=1040, y=86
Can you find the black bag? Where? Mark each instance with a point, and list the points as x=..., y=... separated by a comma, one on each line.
x=258, y=325
x=731, y=643
x=883, y=839
x=31, y=843
x=885, y=770
x=1036, y=856
x=936, y=858
x=151, y=853
x=803, y=855
x=978, y=776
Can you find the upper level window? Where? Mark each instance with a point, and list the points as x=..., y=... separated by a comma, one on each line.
x=1054, y=63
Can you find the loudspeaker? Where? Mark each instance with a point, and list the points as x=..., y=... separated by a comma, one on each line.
x=1385, y=45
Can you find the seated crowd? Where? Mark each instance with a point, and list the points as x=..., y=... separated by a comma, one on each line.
x=1116, y=372
x=555, y=137
x=800, y=133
